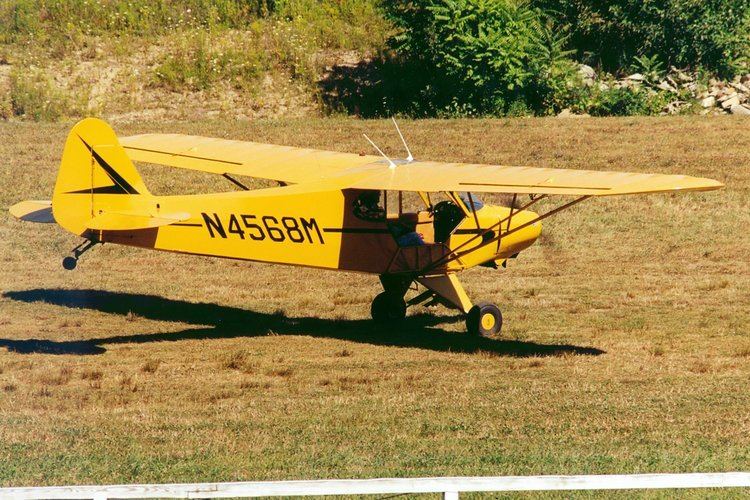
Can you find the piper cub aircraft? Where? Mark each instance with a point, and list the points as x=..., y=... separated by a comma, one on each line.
x=330, y=210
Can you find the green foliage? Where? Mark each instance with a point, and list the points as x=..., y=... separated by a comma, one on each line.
x=197, y=62
x=73, y=18
x=34, y=95
x=483, y=54
x=446, y=57
x=625, y=102
x=650, y=67
x=346, y=24
x=685, y=33
x=351, y=24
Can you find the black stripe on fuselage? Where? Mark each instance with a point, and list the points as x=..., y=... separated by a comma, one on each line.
x=355, y=230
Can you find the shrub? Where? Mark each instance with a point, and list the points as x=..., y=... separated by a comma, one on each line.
x=685, y=33
x=626, y=102
x=346, y=24
x=479, y=55
x=36, y=18
x=34, y=95
x=197, y=62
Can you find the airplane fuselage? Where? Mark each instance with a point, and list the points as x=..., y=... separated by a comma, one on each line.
x=288, y=226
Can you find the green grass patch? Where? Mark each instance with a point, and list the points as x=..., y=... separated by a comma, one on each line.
x=34, y=95
x=198, y=61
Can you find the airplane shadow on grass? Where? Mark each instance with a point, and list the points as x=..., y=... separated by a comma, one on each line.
x=217, y=321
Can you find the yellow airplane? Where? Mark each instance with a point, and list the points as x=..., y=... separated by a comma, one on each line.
x=331, y=210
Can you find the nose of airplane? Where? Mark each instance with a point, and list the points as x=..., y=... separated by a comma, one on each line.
x=523, y=233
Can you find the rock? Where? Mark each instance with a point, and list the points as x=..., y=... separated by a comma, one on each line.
x=587, y=71
x=740, y=109
x=635, y=77
x=709, y=102
x=567, y=113
x=674, y=107
x=588, y=75
x=666, y=86
x=603, y=86
x=683, y=77
x=730, y=101
x=740, y=87
x=692, y=86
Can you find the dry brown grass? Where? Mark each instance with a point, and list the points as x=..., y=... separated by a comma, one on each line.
x=624, y=346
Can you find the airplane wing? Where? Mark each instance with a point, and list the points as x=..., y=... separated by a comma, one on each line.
x=348, y=170
x=430, y=176
x=222, y=156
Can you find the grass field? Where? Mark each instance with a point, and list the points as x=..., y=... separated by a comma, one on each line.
x=626, y=346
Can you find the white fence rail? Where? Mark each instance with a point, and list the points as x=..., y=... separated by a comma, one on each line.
x=450, y=487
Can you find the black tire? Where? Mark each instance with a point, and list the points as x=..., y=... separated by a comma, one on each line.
x=484, y=320
x=388, y=307
x=69, y=263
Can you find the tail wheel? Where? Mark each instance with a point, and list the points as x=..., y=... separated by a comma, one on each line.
x=484, y=319
x=69, y=263
x=388, y=307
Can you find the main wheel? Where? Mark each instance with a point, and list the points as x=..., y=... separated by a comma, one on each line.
x=484, y=319
x=69, y=263
x=388, y=307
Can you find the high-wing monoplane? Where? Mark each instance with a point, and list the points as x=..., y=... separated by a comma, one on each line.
x=330, y=210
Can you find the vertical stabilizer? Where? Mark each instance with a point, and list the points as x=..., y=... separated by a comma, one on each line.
x=95, y=176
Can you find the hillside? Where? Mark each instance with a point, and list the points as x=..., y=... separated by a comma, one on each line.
x=168, y=60
x=159, y=59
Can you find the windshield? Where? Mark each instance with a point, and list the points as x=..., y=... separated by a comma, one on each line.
x=477, y=202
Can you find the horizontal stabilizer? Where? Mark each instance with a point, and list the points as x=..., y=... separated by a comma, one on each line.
x=33, y=211
x=130, y=221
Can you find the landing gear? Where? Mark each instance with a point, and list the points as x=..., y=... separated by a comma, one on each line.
x=388, y=307
x=71, y=261
x=484, y=319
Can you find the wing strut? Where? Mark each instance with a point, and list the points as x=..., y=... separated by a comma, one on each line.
x=498, y=225
x=455, y=254
x=474, y=210
x=235, y=182
x=510, y=216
